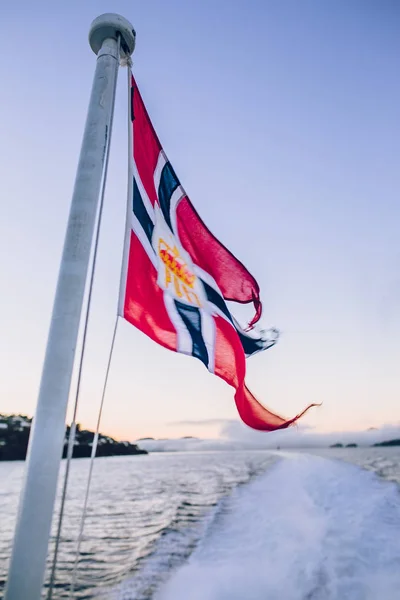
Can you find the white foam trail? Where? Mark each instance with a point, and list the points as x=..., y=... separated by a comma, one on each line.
x=308, y=529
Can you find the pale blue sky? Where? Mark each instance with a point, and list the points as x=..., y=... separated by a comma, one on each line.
x=282, y=122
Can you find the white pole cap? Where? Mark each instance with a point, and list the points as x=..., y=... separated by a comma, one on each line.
x=108, y=26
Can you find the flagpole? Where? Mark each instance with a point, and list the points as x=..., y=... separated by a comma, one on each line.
x=32, y=532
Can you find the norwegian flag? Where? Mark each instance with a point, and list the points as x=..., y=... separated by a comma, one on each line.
x=177, y=277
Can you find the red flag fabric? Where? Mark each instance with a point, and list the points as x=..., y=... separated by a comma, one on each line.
x=177, y=277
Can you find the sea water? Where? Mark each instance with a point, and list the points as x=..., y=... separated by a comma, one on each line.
x=244, y=525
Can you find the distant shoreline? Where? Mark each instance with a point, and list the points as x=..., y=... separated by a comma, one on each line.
x=387, y=443
x=14, y=438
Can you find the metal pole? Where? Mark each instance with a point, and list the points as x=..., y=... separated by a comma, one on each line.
x=31, y=538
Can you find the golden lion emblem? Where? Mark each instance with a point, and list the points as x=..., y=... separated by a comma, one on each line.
x=177, y=273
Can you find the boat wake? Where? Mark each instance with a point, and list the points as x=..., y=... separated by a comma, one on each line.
x=307, y=529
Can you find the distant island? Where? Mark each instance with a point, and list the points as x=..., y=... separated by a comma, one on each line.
x=14, y=437
x=388, y=443
x=339, y=445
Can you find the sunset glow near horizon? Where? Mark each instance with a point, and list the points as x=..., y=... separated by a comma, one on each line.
x=282, y=122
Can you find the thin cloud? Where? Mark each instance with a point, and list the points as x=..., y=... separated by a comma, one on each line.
x=200, y=423
x=305, y=437
x=236, y=436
